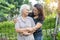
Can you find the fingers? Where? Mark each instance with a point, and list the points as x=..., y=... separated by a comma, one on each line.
x=26, y=33
x=15, y=20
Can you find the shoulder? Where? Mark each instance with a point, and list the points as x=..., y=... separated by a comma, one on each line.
x=30, y=18
x=18, y=18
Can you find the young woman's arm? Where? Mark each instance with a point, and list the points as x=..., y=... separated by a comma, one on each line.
x=37, y=26
x=17, y=28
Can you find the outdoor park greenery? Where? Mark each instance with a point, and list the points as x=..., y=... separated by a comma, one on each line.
x=10, y=8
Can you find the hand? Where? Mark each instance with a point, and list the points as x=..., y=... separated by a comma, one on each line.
x=30, y=30
x=15, y=20
x=26, y=33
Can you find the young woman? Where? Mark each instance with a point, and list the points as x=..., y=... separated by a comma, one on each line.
x=24, y=22
x=38, y=16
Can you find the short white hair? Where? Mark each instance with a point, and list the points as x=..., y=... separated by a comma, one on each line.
x=22, y=7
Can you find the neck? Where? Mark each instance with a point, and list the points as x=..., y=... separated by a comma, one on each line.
x=36, y=17
x=24, y=17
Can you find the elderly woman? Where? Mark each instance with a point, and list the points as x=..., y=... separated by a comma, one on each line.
x=24, y=22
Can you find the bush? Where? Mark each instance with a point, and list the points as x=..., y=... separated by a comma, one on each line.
x=49, y=22
x=58, y=36
x=2, y=18
x=7, y=29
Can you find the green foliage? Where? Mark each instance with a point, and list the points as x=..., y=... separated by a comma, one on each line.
x=7, y=30
x=58, y=36
x=11, y=7
x=49, y=22
x=26, y=2
x=47, y=38
x=7, y=27
x=2, y=18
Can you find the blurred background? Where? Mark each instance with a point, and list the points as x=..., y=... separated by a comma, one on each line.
x=9, y=9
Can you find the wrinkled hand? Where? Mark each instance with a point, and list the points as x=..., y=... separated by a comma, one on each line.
x=26, y=33
x=31, y=30
x=15, y=20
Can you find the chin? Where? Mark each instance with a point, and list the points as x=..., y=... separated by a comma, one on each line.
x=27, y=14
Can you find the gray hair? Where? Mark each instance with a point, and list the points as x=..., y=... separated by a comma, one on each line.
x=22, y=7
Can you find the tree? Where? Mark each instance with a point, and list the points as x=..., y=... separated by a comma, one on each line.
x=26, y=2
x=10, y=7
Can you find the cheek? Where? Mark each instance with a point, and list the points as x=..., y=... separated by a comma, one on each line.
x=35, y=12
x=24, y=11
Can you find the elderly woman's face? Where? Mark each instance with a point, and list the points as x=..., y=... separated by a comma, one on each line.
x=25, y=11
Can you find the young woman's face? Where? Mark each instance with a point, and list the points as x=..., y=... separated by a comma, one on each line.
x=25, y=11
x=35, y=10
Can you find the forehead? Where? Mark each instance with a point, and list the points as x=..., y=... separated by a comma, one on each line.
x=34, y=8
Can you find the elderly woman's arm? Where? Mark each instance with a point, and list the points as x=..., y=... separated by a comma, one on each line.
x=17, y=28
x=22, y=31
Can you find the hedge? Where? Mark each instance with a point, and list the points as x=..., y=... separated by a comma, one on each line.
x=7, y=30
